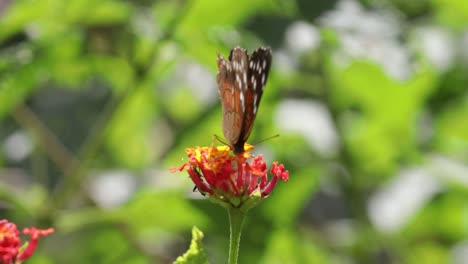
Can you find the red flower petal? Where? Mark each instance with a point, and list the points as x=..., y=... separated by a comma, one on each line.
x=32, y=244
x=278, y=171
x=10, y=242
x=215, y=171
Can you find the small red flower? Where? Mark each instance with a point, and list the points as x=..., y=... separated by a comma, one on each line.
x=11, y=250
x=9, y=242
x=231, y=179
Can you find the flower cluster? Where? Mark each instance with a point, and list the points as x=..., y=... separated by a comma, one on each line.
x=11, y=250
x=233, y=180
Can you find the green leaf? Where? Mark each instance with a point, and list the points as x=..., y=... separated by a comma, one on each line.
x=52, y=16
x=195, y=254
x=166, y=210
x=117, y=71
x=102, y=243
x=451, y=134
x=150, y=216
x=96, y=12
x=453, y=13
x=444, y=218
x=379, y=112
x=132, y=124
x=288, y=199
x=428, y=252
x=15, y=87
x=285, y=246
x=207, y=23
x=18, y=16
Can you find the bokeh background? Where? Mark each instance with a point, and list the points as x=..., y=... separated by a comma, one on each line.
x=99, y=99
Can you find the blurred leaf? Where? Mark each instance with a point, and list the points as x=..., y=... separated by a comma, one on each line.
x=168, y=210
x=131, y=124
x=15, y=87
x=91, y=12
x=167, y=12
x=378, y=112
x=105, y=244
x=75, y=220
x=451, y=133
x=192, y=107
x=413, y=8
x=444, y=218
x=53, y=16
x=198, y=29
x=288, y=199
x=427, y=253
x=19, y=15
x=195, y=254
x=165, y=210
x=199, y=134
x=117, y=71
x=453, y=13
x=21, y=205
x=285, y=246
x=65, y=64
x=205, y=14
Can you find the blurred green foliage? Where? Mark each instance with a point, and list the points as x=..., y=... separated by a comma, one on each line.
x=95, y=87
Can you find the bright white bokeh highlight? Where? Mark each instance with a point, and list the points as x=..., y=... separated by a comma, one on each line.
x=17, y=146
x=437, y=45
x=310, y=119
x=369, y=35
x=302, y=36
x=109, y=189
x=394, y=204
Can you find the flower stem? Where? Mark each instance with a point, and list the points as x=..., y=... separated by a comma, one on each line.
x=236, y=220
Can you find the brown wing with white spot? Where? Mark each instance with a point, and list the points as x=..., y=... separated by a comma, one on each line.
x=259, y=67
x=232, y=84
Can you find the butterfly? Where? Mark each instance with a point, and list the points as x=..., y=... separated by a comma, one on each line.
x=241, y=81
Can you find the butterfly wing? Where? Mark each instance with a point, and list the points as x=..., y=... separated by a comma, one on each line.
x=232, y=85
x=258, y=69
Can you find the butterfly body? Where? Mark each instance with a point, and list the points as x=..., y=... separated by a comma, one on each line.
x=241, y=81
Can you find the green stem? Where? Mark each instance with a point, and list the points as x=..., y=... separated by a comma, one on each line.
x=236, y=220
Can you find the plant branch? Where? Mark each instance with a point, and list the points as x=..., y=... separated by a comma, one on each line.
x=57, y=152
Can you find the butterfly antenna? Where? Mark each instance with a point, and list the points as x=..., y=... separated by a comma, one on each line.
x=268, y=138
x=218, y=138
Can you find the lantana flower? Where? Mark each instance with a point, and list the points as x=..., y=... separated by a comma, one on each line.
x=238, y=181
x=11, y=249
